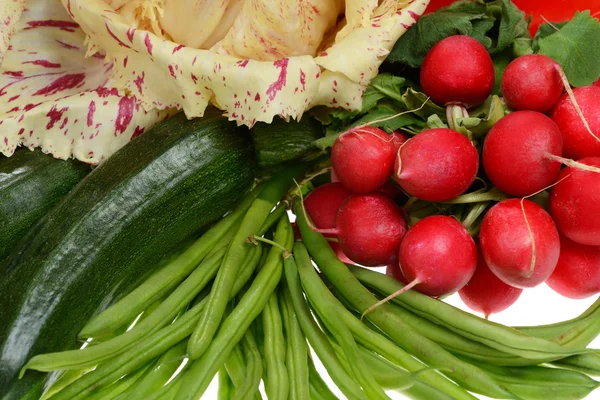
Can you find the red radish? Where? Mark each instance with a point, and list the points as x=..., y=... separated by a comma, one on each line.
x=577, y=274
x=517, y=153
x=391, y=190
x=395, y=272
x=574, y=202
x=370, y=228
x=519, y=242
x=323, y=203
x=578, y=141
x=363, y=159
x=334, y=177
x=438, y=256
x=458, y=70
x=398, y=139
x=532, y=82
x=487, y=294
x=437, y=165
x=597, y=83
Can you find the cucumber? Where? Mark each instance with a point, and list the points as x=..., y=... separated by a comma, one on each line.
x=31, y=183
x=158, y=190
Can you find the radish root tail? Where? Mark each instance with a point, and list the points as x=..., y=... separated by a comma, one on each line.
x=567, y=86
x=533, y=250
x=572, y=163
x=406, y=288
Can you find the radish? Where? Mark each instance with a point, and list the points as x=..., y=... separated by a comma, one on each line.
x=395, y=272
x=438, y=256
x=577, y=274
x=520, y=153
x=323, y=203
x=363, y=159
x=370, y=228
x=458, y=70
x=532, y=82
x=392, y=190
x=436, y=165
x=519, y=242
x=574, y=202
x=578, y=141
x=398, y=139
x=487, y=294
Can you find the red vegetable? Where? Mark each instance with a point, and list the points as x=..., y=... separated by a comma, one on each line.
x=363, y=159
x=437, y=165
x=439, y=255
x=578, y=142
x=574, y=203
x=508, y=242
x=395, y=272
x=458, y=70
x=323, y=203
x=487, y=294
x=532, y=82
x=577, y=274
x=517, y=152
x=370, y=228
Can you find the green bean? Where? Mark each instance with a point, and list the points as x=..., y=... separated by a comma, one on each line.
x=273, y=218
x=117, y=388
x=233, y=327
x=235, y=367
x=317, y=339
x=159, y=374
x=254, y=369
x=587, y=363
x=225, y=389
x=541, y=383
x=168, y=277
x=162, y=316
x=65, y=378
x=324, y=305
x=277, y=383
x=318, y=388
x=376, y=342
x=492, y=334
x=271, y=194
x=150, y=347
x=555, y=330
x=168, y=391
x=296, y=357
x=468, y=376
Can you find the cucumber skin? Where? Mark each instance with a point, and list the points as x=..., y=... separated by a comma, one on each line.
x=31, y=183
x=155, y=192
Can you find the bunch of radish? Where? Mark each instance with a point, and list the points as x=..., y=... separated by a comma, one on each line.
x=550, y=141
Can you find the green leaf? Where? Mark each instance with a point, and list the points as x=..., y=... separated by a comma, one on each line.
x=484, y=117
x=544, y=31
x=434, y=121
x=513, y=25
x=576, y=47
x=423, y=107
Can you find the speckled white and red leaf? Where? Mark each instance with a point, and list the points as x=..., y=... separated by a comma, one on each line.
x=54, y=97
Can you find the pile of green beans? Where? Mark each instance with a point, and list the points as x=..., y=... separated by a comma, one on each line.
x=245, y=305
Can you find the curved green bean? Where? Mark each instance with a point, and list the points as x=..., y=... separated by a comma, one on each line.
x=162, y=316
x=254, y=369
x=296, y=357
x=277, y=383
x=116, y=389
x=316, y=337
x=236, y=367
x=233, y=327
x=324, y=304
x=318, y=388
x=587, y=363
x=467, y=375
x=497, y=336
x=169, y=276
x=269, y=196
x=225, y=389
x=158, y=374
x=150, y=347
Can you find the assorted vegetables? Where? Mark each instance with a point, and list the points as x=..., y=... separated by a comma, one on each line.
x=205, y=251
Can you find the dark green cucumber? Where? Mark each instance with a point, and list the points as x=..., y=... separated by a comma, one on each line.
x=167, y=184
x=282, y=141
x=31, y=183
